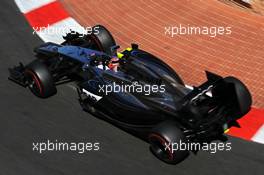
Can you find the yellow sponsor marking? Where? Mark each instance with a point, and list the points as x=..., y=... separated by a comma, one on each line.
x=119, y=55
x=129, y=49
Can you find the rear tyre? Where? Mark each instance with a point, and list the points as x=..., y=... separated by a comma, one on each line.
x=243, y=95
x=39, y=79
x=164, y=134
x=103, y=39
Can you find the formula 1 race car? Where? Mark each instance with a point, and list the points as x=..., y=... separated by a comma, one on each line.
x=136, y=91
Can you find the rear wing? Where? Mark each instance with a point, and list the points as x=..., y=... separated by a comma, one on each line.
x=213, y=80
x=229, y=92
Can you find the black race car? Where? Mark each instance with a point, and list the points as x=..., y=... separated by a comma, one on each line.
x=136, y=91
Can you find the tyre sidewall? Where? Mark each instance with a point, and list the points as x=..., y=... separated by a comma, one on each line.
x=168, y=132
x=103, y=38
x=41, y=74
x=243, y=95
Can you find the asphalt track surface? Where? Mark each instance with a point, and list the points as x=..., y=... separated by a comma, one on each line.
x=25, y=118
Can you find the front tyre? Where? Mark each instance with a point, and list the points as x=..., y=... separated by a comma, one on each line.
x=103, y=39
x=39, y=80
x=161, y=139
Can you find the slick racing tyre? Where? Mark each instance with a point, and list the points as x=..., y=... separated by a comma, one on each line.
x=103, y=39
x=161, y=139
x=243, y=96
x=39, y=80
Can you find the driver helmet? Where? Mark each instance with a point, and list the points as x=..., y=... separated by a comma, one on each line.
x=114, y=64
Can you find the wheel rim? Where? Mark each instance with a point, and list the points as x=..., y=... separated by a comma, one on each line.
x=34, y=83
x=157, y=146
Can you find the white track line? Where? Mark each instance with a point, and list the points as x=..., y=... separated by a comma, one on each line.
x=259, y=136
x=61, y=28
x=26, y=6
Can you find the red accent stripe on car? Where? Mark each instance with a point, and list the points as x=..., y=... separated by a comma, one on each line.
x=46, y=15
